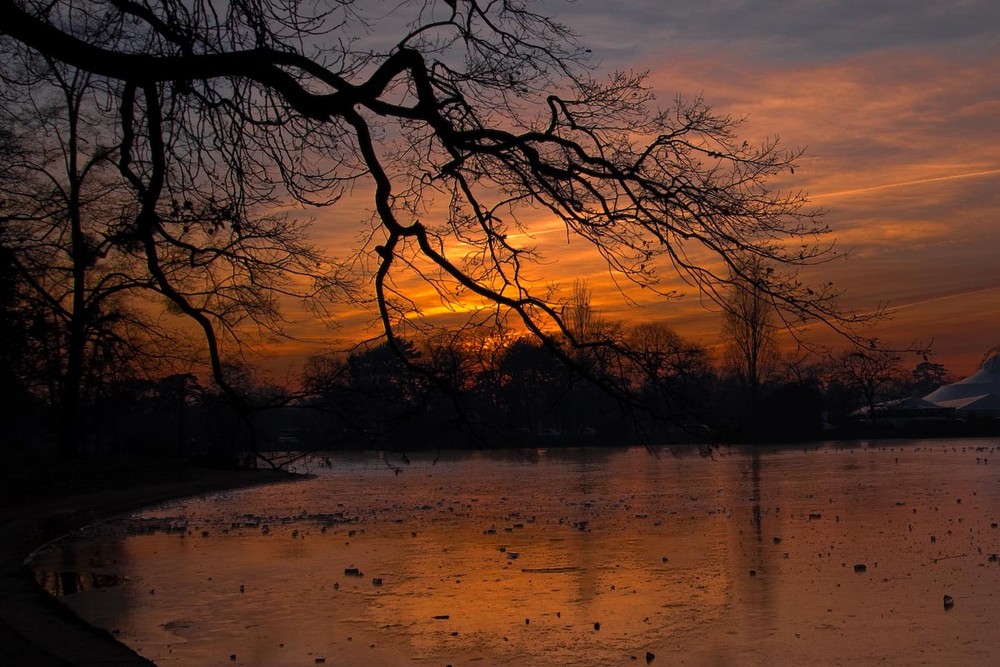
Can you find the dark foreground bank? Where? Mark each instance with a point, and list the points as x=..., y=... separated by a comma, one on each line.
x=43, y=500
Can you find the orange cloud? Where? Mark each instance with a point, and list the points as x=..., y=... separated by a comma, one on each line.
x=903, y=151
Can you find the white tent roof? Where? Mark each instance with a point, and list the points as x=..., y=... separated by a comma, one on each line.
x=987, y=402
x=909, y=404
x=979, y=391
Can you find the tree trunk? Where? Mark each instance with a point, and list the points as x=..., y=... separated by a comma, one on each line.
x=67, y=424
x=68, y=435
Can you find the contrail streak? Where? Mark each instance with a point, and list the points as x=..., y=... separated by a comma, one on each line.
x=888, y=186
x=958, y=294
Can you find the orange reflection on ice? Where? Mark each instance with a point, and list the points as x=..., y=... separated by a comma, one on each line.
x=783, y=557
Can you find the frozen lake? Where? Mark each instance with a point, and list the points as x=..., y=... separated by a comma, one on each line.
x=840, y=554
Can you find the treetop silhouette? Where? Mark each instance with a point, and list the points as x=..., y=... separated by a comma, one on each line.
x=462, y=119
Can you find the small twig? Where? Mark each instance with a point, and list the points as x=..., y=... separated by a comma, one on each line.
x=949, y=557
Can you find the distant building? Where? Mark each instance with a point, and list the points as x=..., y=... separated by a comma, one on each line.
x=905, y=408
x=978, y=394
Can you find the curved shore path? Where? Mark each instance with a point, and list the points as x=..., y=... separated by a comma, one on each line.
x=35, y=629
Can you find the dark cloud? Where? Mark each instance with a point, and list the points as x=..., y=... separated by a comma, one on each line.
x=801, y=30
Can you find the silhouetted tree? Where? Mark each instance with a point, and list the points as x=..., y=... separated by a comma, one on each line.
x=454, y=117
x=86, y=248
x=578, y=313
x=377, y=397
x=749, y=328
x=673, y=374
x=928, y=376
x=533, y=384
x=874, y=375
x=15, y=353
x=62, y=196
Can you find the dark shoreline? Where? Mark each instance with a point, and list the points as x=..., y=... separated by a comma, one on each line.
x=35, y=629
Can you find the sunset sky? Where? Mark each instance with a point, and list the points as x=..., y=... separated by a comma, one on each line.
x=897, y=103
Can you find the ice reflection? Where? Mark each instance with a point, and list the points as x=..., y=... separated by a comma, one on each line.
x=71, y=582
x=569, y=557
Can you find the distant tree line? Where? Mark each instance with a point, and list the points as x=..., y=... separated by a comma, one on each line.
x=489, y=388
x=483, y=386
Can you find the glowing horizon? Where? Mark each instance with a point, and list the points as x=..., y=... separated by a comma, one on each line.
x=901, y=130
